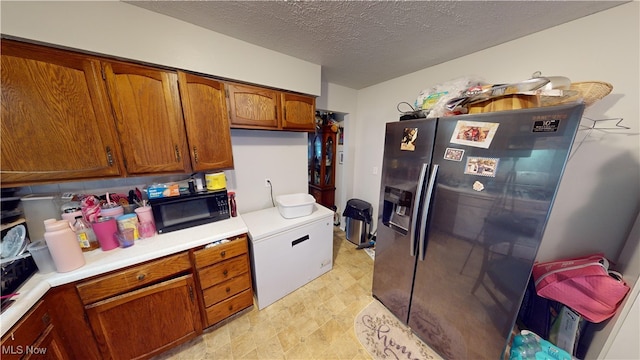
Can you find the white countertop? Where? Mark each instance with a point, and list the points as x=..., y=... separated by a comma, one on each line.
x=267, y=222
x=100, y=262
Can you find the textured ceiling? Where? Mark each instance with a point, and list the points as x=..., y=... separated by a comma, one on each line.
x=362, y=43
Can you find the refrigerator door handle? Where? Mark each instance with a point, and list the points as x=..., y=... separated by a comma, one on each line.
x=425, y=212
x=416, y=208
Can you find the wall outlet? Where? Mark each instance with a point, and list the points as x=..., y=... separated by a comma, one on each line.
x=267, y=182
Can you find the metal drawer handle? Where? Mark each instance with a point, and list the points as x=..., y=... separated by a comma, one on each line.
x=223, y=253
x=228, y=290
x=141, y=277
x=225, y=272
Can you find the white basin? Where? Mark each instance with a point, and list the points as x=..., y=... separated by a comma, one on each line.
x=295, y=205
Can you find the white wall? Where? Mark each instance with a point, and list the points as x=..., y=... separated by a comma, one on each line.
x=119, y=29
x=280, y=156
x=337, y=98
x=599, y=196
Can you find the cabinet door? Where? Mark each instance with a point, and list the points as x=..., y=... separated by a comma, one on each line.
x=148, y=321
x=207, y=122
x=299, y=112
x=146, y=104
x=48, y=346
x=252, y=107
x=56, y=119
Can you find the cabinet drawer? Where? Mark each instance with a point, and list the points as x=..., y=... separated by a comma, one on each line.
x=216, y=254
x=226, y=270
x=228, y=307
x=133, y=278
x=226, y=289
x=27, y=330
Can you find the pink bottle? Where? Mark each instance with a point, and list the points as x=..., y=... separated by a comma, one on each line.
x=63, y=245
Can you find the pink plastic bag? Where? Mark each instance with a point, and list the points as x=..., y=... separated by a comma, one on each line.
x=584, y=284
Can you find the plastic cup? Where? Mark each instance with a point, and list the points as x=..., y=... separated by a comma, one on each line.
x=145, y=214
x=112, y=210
x=125, y=237
x=146, y=229
x=105, y=228
x=41, y=256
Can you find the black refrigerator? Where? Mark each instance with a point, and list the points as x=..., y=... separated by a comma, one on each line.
x=464, y=201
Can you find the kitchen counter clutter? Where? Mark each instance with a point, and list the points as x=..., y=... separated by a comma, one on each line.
x=100, y=262
x=288, y=253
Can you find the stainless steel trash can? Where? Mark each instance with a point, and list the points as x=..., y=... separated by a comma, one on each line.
x=356, y=231
x=358, y=221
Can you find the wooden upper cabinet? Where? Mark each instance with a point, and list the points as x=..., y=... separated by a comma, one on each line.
x=146, y=103
x=298, y=112
x=56, y=119
x=253, y=107
x=206, y=121
x=260, y=108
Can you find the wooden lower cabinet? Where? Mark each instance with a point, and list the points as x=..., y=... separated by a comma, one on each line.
x=139, y=311
x=225, y=279
x=143, y=310
x=48, y=346
x=148, y=321
x=34, y=337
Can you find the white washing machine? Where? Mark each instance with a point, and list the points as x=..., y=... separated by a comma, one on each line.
x=288, y=253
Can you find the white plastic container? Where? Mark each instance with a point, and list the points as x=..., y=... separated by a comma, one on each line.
x=295, y=205
x=37, y=209
x=42, y=257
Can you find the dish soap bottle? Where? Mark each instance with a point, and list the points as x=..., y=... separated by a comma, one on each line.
x=85, y=235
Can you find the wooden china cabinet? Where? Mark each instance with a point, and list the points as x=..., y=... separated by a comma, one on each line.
x=322, y=166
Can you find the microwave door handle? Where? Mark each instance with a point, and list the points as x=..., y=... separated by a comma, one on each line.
x=425, y=212
x=416, y=208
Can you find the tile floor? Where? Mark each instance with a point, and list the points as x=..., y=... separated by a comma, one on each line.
x=313, y=322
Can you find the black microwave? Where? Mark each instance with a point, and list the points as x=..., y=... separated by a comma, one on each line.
x=184, y=211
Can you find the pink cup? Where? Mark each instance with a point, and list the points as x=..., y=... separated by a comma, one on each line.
x=146, y=229
x=104, y=228
x=144, y=214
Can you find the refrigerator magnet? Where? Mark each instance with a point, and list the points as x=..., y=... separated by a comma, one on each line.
x=409, y=136
x=453, y=154
x=474, y=133
x=478, y=186
x=481, y=166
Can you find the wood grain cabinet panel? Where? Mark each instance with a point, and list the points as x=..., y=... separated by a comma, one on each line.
x=133, y=278
x=48, y=346
x=34, y=337
x=148, y=321
x=224, y=276
x=230, y=306
x=253, y=107
x=206, y=121
x=298, y=112
x=148, y=112
x=226, y=289
x=56, y=119
x=216, y=254
x=223, y=271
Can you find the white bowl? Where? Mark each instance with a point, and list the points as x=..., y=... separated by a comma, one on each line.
x=295, y=205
